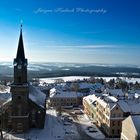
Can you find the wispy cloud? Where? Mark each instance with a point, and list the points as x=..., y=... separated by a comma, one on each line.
x=98, y=47
x=53, y=45
x=45, y=45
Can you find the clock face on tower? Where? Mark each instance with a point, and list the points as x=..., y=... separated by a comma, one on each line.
x=19, y=66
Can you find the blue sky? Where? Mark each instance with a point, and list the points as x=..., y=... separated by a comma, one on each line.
x=85, y=31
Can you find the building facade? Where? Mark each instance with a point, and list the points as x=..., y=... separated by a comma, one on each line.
x=89, y=105
x=109, y=116
x=63, y=98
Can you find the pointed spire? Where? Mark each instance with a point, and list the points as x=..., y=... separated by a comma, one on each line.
x=20, y=52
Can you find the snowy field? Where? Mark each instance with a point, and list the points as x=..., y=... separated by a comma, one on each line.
x=133, y=80
x=73, y=78
x=67, y=78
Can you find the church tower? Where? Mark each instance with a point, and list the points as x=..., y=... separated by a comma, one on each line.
x=20, y=91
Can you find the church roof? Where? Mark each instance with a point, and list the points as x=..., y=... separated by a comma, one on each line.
x=5, y=98
x=20, y=52
x=37, y=96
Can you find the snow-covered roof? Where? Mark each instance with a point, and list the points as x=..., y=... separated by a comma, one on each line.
x=115, y=92
x=34, y=94
x=98, y=86
x=134, y=91
x=4, y=89
x=5, y=96
x=106, y=100
x=111, y=99
x=136, y=122
x=37, y=96
x=95, y=86
x=132, y=106
x=54, y=93
x=84, y=85
x=7, y=101
x=90, y=99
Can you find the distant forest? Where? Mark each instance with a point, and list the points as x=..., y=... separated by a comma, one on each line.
x=40, y=70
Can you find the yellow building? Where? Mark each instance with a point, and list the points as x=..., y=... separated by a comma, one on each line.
x=109, y=115
x=89, y=104
x=131, y=128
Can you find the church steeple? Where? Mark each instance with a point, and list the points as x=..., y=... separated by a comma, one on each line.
x=20, y=63
x=20, y=52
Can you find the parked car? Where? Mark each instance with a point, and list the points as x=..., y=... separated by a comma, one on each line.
x=79, y=112
x=91, y=129
x=66, y=123
x=69, y=132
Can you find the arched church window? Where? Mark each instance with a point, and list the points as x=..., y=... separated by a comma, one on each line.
x=19, y=109
x=33, y=116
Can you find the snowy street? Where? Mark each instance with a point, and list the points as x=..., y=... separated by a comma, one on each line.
x=54, y=130
x=58, y=128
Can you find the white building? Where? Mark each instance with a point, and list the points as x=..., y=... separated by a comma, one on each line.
x=64, y=98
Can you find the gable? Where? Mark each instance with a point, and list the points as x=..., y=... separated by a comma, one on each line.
x=117, y=110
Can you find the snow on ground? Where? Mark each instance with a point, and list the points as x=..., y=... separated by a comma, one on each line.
x=54, y=130
x=71, y=132
x=133, y=80
x=87, y=125
x=73, y=78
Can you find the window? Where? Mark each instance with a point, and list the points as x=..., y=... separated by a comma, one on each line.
x=114, y=115
x=113, y=123
x=119, y=115
x=118, y=123
x=112, y=131
x=118, y=131
x=33, y=115
x=19, y=127
x=107, y=113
